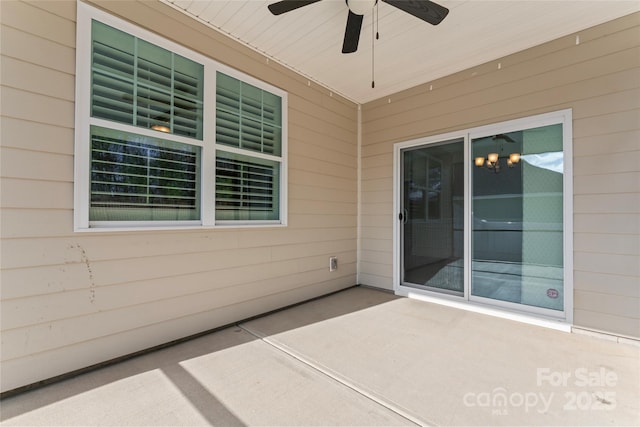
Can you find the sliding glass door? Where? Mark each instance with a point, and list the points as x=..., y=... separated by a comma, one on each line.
x=485, y=216
x=433, y=217
x=517, y=217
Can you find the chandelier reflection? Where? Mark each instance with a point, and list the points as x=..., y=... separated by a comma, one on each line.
x=492, y=161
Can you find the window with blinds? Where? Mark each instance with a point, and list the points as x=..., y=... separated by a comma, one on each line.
x=153, y=149
x=137, y=178
x=247, y=117
x=246, y=188
x=247, y=181
x=138, y=83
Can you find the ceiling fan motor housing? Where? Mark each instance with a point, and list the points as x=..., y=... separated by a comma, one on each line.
x=361, y=7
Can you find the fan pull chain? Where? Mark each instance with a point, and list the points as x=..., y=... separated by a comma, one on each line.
x=377, y=22
x=373, y=55
x=377, y=16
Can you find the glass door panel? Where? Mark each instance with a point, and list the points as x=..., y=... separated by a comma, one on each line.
x=517, y=217
x=432, y=206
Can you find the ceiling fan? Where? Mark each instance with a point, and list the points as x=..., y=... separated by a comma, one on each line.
x=423, y=9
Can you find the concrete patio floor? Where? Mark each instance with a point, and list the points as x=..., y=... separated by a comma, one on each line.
x=358, y=357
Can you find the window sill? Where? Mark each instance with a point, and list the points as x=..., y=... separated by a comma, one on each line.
x=173, y=228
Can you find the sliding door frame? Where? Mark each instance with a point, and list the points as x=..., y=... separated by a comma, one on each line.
x=490, y=306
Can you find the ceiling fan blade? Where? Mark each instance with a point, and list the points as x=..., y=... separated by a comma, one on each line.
x=284, y=6
x=423, y=9
x=352, y=33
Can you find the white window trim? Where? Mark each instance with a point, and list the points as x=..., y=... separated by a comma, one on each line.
x=538, y=316
x=82, y=173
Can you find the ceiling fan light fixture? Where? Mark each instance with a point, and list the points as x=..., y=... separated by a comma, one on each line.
x=361, y=7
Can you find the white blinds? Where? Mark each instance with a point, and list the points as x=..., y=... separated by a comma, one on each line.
x=141, y=84
x=247, y=117
x=138, y=178
x=246, y=188
x=250, y=119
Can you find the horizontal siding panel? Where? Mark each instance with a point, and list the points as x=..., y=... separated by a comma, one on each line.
x=623, y=265
x=607, y=163
x=42, y=280
x=377, y=184
x=607, y=203
x=384, y=159
x=310, y=122
x=599, y=144
x=616, y=102
x=346, y=261
x=606, y=322
x=621, y=244
x=380, y=245
x=381, y=270
x=487, y=105
x=611, y=284
x=206, y=250
x=377, y=197
x=22, y=312
x=117, y=267
x=383, y=258
x=29, y=48
x=50, y=167
x=300, y=137
x=614, y=183
x=268, y=238
x=370, y=219
x=310, y=193
x=375, y=281
x=61, y=8
x=322, y=221
x=123, y=245
x=378, y=172
x=311, y=249
x=35, y=78
x=325, y=114
x=606, y=303
x=375, y=148
x=313, y=165
x=578, y=83
x=34, y=136
x=305, y=177
x=20, y=193
x=39, y=22
x=323, y=208
x=326, y=152
x=43, y=109
x=36, y=223
x=47, y=336
x=379, y=233
x=607, y=123
x=608, y=223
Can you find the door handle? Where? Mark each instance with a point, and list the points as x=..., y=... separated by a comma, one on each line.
x=403, y=216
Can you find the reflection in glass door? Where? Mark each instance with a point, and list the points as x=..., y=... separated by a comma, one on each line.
x=517, y=217
x=432, y=217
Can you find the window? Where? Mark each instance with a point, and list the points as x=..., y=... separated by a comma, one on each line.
x=166, y=137
x=249, y=137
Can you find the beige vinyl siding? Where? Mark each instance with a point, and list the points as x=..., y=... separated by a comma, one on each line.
x=599, y=78
x=70, y=300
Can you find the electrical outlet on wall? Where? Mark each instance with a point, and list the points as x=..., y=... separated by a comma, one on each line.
x=333, y=263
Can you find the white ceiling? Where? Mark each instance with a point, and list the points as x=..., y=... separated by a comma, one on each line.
x=409, y=51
